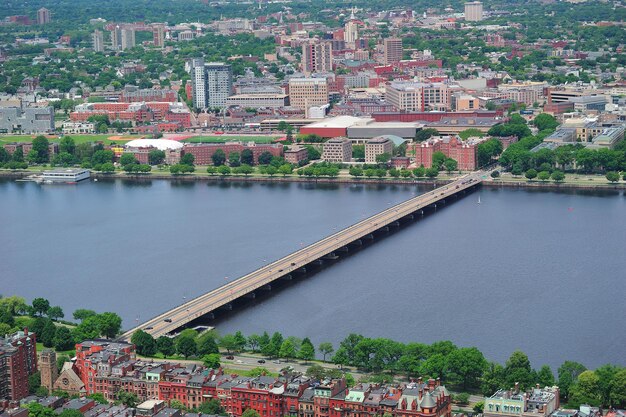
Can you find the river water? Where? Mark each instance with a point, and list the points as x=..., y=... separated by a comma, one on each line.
x=532, y=270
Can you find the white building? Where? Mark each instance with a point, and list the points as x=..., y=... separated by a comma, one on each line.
x=212, y=83
x=473, y=11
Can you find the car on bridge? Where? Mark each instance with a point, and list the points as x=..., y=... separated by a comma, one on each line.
x=168, y=320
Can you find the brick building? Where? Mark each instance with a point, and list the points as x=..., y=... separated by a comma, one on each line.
x=464, y=152
x=295, y=154
x=203, y=152
x=377, y=146
x=337, y=150
x=18, y=360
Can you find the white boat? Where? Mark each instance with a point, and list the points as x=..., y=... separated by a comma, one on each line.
x=478, y=199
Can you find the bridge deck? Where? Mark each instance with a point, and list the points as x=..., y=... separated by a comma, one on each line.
x=204, y=304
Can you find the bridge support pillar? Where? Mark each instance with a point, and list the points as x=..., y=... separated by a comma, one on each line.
x=250, y=295
x=303, y=270
x=287, y=277
x=228, y=306
x=267, y=287
x=358, y=242
x=384, y=229
x=318, y=261
x=369, y=236
x=343, y=249
x=396, y=224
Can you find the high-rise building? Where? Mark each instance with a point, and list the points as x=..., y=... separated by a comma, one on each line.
x=351, y=32
x=412, y=96
x=18, y=360
x=48, y=368
x=128, y=38
x=307, y=92
x=116, y=38
x=473, y=11
x=158, y=36
x=393, y=50
x=98, y=41
x=43, y=16
x=212, y=83
x=317, y=57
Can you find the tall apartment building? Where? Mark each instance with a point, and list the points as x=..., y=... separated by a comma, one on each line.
x=158, y=36
x=128, y=38
x=43, y=16
x=317, y=57
x=212, y=83
x=18, y=360
x=307, y=92
x=351, y=32
x=337, y=150
x=377, y=146
x=393, y=50
x=411, y=96
x=98, y=41
x=116, y=38
x=473, y=11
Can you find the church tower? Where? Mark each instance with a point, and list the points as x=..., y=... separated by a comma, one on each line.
x=48, y=368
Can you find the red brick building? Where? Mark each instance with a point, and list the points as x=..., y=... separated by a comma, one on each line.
x=262, y=394
x=97, y=357
x=464, y=152
x=18, y=360
x=203, y=152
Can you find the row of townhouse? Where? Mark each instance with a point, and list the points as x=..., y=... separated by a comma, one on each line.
x=107, y=367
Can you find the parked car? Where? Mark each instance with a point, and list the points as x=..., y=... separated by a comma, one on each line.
x=261, y=361
x=231, y=357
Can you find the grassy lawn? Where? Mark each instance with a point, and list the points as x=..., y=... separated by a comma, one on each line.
x=69, y=353
x=229, y=138
x=77, y=138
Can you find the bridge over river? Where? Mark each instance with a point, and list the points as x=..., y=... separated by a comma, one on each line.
x=340, y=242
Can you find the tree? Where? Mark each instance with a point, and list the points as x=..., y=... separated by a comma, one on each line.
x=471, y=133
x=212, y=361
x=177, y=404
x=419, y=172
x=144, y=343
x=618, y=389
x=40, y=149
x=82, y=314
x=186, y=346
x=253, y=342
x=102, y=156
x=128, y=159
x=586, y=390
x=207, y=344
x=67, y=145
x=492, y=379
x=531, y=174
x=478, y=407
x=18, y=155
x=245, y=169
x=265, y=158
x=35, y=409
x=287, y=350
x=55, y=313
x=13, y=305
x=229, y=342
x=543, y=175
x=187, y=159
x=467, y=364
x=218, y=158
x=129, y=399
x=212, y=407
x=545, y=121
x=517, y=369
x=425, y=134
x=612, y=176
x=240, y=341
x=495, y=174
x=247, y=157
x=63, y=339
x=46, y=336
x=383, y=158
x=545, y=377
x=271, y=171
x=107, y=167
x=450, y=164
x=285, y=169
x=70, y=413
x=557, y=176
x=166, y=346
x=487, y=151
x=89, y=328
x=40, y=306
x=606, y=375
x=109, y=324
x=432, y=172
x=568, y=373
x=250, y=413
x=224, y=170
x=317, y=372
x=438, y=160
x=307, y=350
x=156, y=157
x=234, y=159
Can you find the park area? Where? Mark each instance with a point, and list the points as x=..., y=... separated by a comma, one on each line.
x=77, y=138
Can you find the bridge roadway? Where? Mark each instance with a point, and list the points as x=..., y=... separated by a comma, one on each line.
x=224, y=295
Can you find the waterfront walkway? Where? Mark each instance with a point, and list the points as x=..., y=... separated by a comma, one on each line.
x=223, y=296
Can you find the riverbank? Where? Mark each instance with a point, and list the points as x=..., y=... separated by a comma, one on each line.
x=571, y=182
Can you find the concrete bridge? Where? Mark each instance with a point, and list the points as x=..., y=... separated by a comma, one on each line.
x=262, y=278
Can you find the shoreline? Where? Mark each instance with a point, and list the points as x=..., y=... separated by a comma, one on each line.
x=497, y=183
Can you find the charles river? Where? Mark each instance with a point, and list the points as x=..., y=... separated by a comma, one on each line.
x=539, y=271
